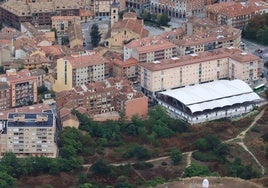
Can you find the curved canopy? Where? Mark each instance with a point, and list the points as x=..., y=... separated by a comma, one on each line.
x=212, y=95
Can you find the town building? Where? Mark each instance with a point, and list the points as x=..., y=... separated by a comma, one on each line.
x=208, y=39
x=62, y=23
x=28, y=131
x=22, y=86
x=75, y=37
x=149, y=49
x=36, y=61
x=37, y=12
x=209, y=101
x=4, y=95
x=236, y=14
x=125, y=30
x=225, y=63
x=177, y=9
x=78, y=70
x=126, y=69
x=110, y=95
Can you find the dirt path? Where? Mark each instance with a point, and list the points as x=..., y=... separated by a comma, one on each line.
x=239, y=139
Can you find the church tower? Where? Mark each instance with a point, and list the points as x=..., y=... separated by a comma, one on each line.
x=114, y=13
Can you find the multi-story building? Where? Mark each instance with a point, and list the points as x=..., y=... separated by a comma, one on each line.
x=61, y=23
x=218, y=37
x=37, y=12
x=111, y=95
x=28, y=131
x=4, y=95
x=225, y=63
x=149, y=49
x=78, y=70
x=22, y=86
x=126, y=69
x=236, y=14
x=177, y=9
x=137, y=5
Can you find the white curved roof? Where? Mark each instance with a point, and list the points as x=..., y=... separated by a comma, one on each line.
x=215, y=94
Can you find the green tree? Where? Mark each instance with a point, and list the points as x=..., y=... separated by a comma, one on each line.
x=196, y=170
x=95, y=35
x=262, y=35
x=10, y=161
x=146, y=15
x=176, y=156
x=2, y=71
x=163, y=19
x=7, y=181
x=42, y=90
x=100, y=167
x=201, y=144
x=265, y=137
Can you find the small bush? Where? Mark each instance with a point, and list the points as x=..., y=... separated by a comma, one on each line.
x=201, y=156
x=164, y=163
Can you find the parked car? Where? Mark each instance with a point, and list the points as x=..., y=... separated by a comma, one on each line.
x=259, y=50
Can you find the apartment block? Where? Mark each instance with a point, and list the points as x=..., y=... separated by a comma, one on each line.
x=214, y=38
x=225, y=63
x=178, y=9
x=236, y=14
x=22, y=86
x=37, y=12
x=149, y=49
x=111, y=95
x=61, y=23
x=78, y=70
x=28, y=131
x=4, y=95
x=126, y=69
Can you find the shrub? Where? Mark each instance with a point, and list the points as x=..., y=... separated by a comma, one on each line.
x=201, y=156
x=143, y=165
x=196, y=170
x=176, y=156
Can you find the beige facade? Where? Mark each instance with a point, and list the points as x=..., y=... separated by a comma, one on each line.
x=125, y=30
x=28, y=131
x=61, y=23
x=149, y=49
x=199, y=68
x=74, y=71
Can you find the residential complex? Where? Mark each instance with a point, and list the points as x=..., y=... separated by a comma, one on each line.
x=226, y=63
x=78, y=70
x=177, y=9
x=22, y=88
x=28, y=131
x=236, y=14
x=107, y=96
x=202, y=35
x=37, y=12
x=149, y=49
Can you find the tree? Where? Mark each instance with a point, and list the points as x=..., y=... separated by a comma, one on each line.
x=176, y=156
x=95, y=35
x=162, y=19
x=6, y=180
x=2, y=71
x=42, y=90
x=100, y=167
x=196, y=170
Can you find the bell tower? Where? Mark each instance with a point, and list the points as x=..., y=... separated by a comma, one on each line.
x=114, y=13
